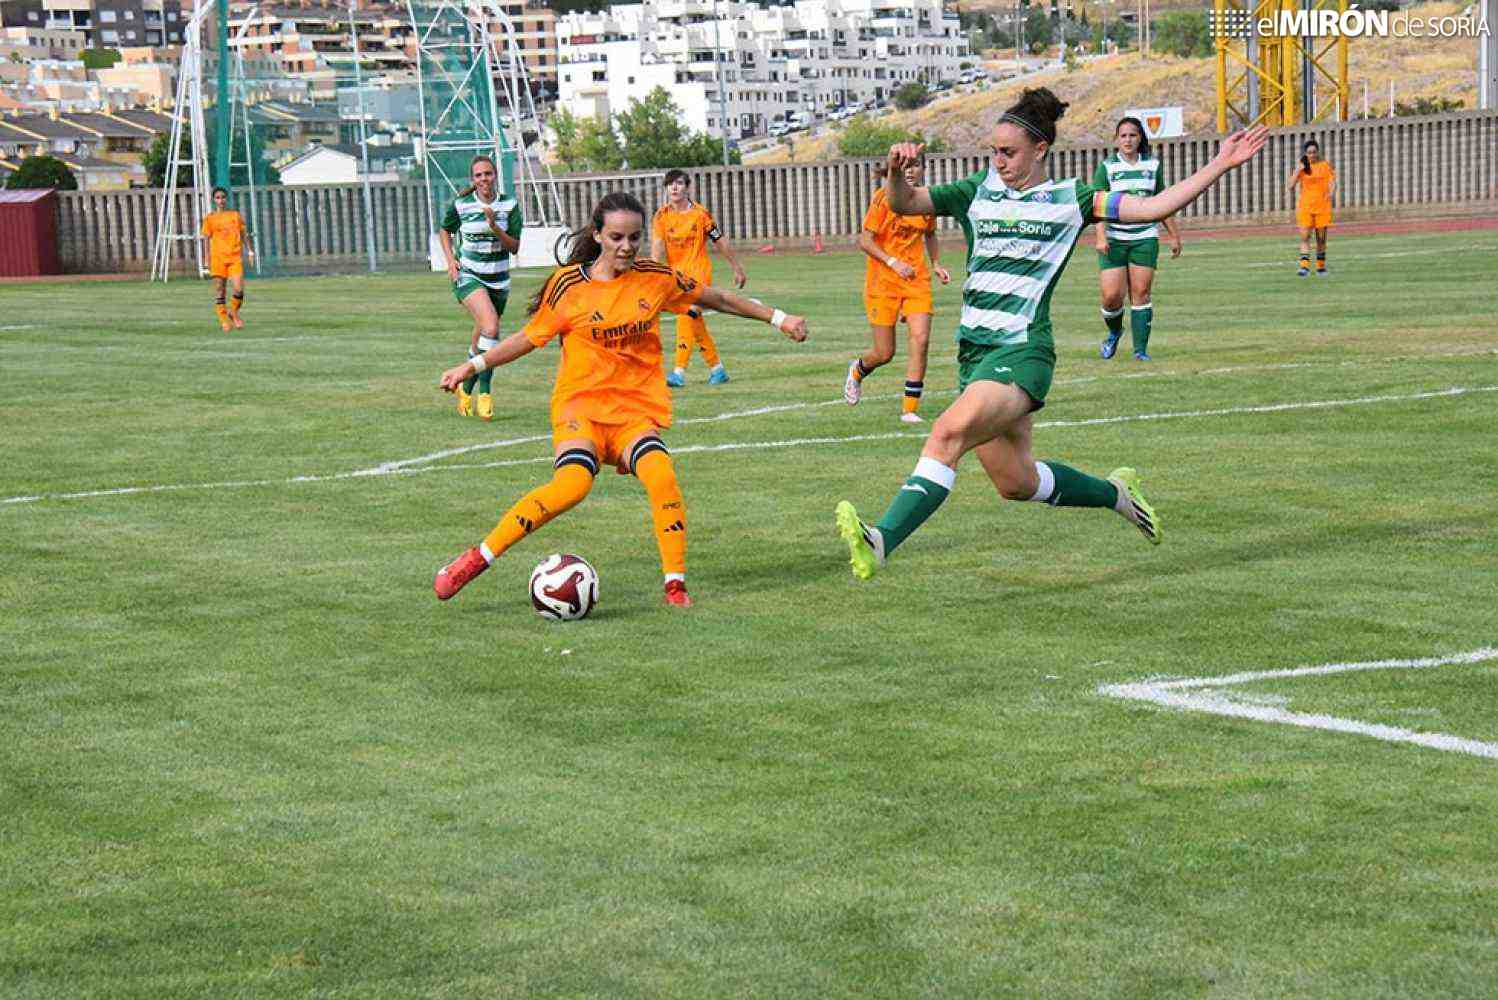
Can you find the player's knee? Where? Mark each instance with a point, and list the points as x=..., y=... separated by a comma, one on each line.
x=945, y=441
x=575, y=470
x=650, y=462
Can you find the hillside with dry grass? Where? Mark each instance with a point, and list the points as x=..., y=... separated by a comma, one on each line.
x=1100, y=90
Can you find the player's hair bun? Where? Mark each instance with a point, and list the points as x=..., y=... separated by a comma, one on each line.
x=1041, y=109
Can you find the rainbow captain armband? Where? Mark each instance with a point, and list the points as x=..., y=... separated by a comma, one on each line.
x=1111, y=205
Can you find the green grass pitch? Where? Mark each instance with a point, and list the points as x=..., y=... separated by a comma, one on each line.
x=244, y=752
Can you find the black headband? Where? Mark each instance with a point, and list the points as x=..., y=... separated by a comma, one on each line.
x=1028, y=126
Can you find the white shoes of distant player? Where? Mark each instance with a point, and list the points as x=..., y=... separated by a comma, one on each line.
x=852, y=387
x=911, y=418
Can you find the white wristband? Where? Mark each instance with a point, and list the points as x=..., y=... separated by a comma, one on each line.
x=889, y=262
x=478, y=362
x=776, y=318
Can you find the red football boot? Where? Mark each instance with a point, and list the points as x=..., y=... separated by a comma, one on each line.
x=676, y=594
x=455, y=575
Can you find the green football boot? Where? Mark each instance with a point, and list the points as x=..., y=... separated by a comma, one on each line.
x=865, y=544
x=1132, y=505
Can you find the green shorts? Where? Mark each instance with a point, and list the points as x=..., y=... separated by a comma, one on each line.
x=466, y=285
x=1029, y=366
x=1121, y=253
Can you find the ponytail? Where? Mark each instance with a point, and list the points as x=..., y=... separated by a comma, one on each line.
x=584, y=244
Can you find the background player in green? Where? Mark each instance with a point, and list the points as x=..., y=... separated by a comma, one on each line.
x=487, y=227
x=1128, y=252
x=1020, y=229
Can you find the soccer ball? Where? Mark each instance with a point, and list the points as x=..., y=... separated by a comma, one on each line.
x=564, y=588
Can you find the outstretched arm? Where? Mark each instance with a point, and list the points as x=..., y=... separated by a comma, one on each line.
x=904, y=199
x=516, y=345
x=793, y=327
x=1237, y=148
x=740, y=279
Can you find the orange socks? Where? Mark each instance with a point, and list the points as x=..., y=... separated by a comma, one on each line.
x=570, y=482
x=236, y=303
x=223, y=313
x=668, y=513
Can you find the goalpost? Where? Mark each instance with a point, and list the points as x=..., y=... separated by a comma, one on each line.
x=474, y=95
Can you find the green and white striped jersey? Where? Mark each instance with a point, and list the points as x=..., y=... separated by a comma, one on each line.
x=1142, y=177
x=479, y=252
x=1018, y=242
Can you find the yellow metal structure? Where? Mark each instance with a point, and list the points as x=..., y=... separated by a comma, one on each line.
x=1263, y=77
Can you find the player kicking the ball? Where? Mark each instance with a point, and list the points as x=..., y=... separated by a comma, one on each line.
x=1020, y=230
x=610, y=402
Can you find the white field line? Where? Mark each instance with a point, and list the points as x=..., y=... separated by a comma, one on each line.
x=1211, y=700
x=788, y=407
x=738, y=446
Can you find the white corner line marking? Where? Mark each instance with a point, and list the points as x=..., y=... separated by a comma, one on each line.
x=1210, y=699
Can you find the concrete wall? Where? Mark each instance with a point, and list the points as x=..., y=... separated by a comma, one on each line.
x=1387, y=167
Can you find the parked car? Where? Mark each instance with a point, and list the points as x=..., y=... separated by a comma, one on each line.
x=779, y=127
x=800, y=119
x=853, y=109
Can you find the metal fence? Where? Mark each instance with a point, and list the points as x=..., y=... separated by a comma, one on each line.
x=1446, y=160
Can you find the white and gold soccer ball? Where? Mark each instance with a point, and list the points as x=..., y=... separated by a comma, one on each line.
x=564, y=587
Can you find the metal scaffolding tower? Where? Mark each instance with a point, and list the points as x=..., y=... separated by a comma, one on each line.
x=1274, y=78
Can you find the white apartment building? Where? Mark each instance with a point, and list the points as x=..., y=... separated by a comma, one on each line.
x=812, y=56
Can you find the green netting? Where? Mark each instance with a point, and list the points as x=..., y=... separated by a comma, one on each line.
x=458, y=100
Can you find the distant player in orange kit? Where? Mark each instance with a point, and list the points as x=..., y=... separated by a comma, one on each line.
x=1313, y=205
x=227, y=237
x=610, y=402
x=897, y=283
x=679, y=236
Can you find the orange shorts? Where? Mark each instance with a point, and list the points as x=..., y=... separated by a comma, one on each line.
x=1313, y=218
x=226, y=267
x=886, y=310
x=610, y=441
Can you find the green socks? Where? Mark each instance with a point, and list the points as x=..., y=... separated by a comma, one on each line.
x=917, y=500
x=1114, y=321
x=1063, y=486
x=483, y=379
x=1140, y=318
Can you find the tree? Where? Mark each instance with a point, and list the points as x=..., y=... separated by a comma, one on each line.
x=598, y=146
x=704, y=150
x=652, y=132
x=1427, y=106
x=154, y=160
x=1038, y=30
x=1182, y=33
x=861, y=137
x=99, y=58
x=911, y=96
x=42, y=172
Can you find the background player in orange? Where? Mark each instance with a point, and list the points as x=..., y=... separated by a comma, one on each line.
x=610, y=402
x=897, y=283
x=679, y=235
x=227, y=237
x=1313, y=206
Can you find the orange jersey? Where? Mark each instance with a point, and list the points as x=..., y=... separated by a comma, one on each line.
x=610, y=372
x=902, y=237
x=685, y=235
x=1315, y=187
x=225, y=232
